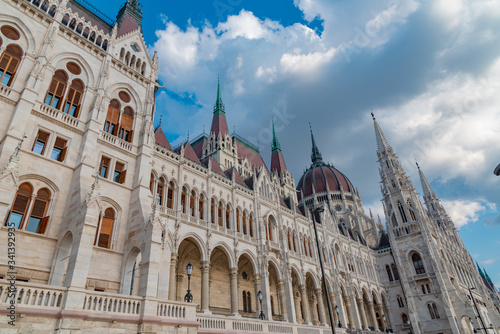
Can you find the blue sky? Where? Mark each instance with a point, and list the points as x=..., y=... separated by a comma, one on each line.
x=429, y=70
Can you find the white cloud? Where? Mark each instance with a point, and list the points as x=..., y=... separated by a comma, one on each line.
x=305, y=63
x=488, y=262
x=463, y=212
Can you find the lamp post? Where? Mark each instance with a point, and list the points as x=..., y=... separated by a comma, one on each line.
x=262, y=316
x=409, y=324
x=338, y=317
x=189, y=297
x=478, y=315
x=316, y=215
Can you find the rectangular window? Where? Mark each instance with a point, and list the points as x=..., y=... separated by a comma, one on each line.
x=103, y=168
x=55, y=93
x=59, y=150
x=40, y=142
x=8, y=66
x=119, y=174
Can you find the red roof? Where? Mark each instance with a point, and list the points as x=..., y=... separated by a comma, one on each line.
x=219, y=124
x=89, y=15
x=161, y=139
x=277, y=162
x=216, y=167
x=127, y=25
x=189, y=153
x=252, y=156
x=229, y=173
x=198, y=148
x=324, y=178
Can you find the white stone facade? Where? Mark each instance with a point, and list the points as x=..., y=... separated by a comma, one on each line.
x=107, y=215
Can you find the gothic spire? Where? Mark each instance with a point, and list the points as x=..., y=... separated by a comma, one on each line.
x=276, y=145
x=219, y=105
x=425, y=185
x=315, y=155
x=219, y=123
x=382, y=144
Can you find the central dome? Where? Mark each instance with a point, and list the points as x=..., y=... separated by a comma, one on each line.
x=321, y=177
x=324, y=178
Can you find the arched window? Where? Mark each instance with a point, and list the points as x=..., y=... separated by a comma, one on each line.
x=244, y=222
x=418, y=264
x=126, y=124
x=160, y=189
x=289, y=242
x=212, y=211
x=395, y=272
x=37, y=220
x=294, y=244
x=402, y=212
x=111, y=125
x=220, y=216
x=201, y=206
x=56, y=89
x=434, y=308
x=400, y=301
x=237, y=220
x=269, y=226
x=250, y=223
x=151, y=183
x=433, y=312
x=72, y=24
x=170, y=195
x=9, y=63
x=249, y=302
x=86, y=32
x=389, y=274
x=192, y=201
x=404, y=318
x=52, y=10
x=184, y=200
x=245, y=301
x=412, y=214
x=105, y=229
x=228, y=217
x=305, y=247
x=309, y=244
x=65, y=19
x=72, y=104
x=79, y=28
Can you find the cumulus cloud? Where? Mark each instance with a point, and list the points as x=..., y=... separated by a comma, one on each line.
x=429, y=71
x=463, y=212
x=488, y=262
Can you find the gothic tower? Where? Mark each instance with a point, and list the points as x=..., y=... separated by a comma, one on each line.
x=414, y=247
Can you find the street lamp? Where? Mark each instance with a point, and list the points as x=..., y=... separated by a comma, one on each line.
x=385, y=323
x=409, y=324
x=261, y=315
x=316, y=216
x=338, y=317
x=189, y=297
x=470, y=319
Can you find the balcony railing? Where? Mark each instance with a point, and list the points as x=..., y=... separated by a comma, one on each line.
x=32, y=295
x=116, y=141
x=59, y=115
x=112, y=303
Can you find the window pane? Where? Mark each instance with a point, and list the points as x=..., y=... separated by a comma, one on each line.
x=56, y=154
x=38, y=148
x=33, y=224
x=15, y=220
x=48, y=99
x=66, y=107
x=73, y=111
x=55, y=102
x=6, y=79
x=116, y=176
x=104, y=171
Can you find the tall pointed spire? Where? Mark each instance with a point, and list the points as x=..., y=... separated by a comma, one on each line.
x=277, y=160
x=219, y=123
x=382, y=144
x=219, y=105
x=315, y=155
x=425, y=185
x=276, y=145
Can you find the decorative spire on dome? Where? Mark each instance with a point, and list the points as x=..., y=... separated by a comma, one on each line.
x=382, y=144
x=315, y=155
x=276, y=145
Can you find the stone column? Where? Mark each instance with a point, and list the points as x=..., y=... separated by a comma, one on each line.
x=171, y=288
x=289, y=298
x=356, y=317
x=256, y=283
x=298, y=311
x=233, y=275
x=205, y=287
x=361, y=309
x=178, y=288
x=374, y=317
x=305, y=304
x=321, y=307
x=380, y=310
x=281, y=293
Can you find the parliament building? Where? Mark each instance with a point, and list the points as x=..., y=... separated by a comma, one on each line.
x=107, y=228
